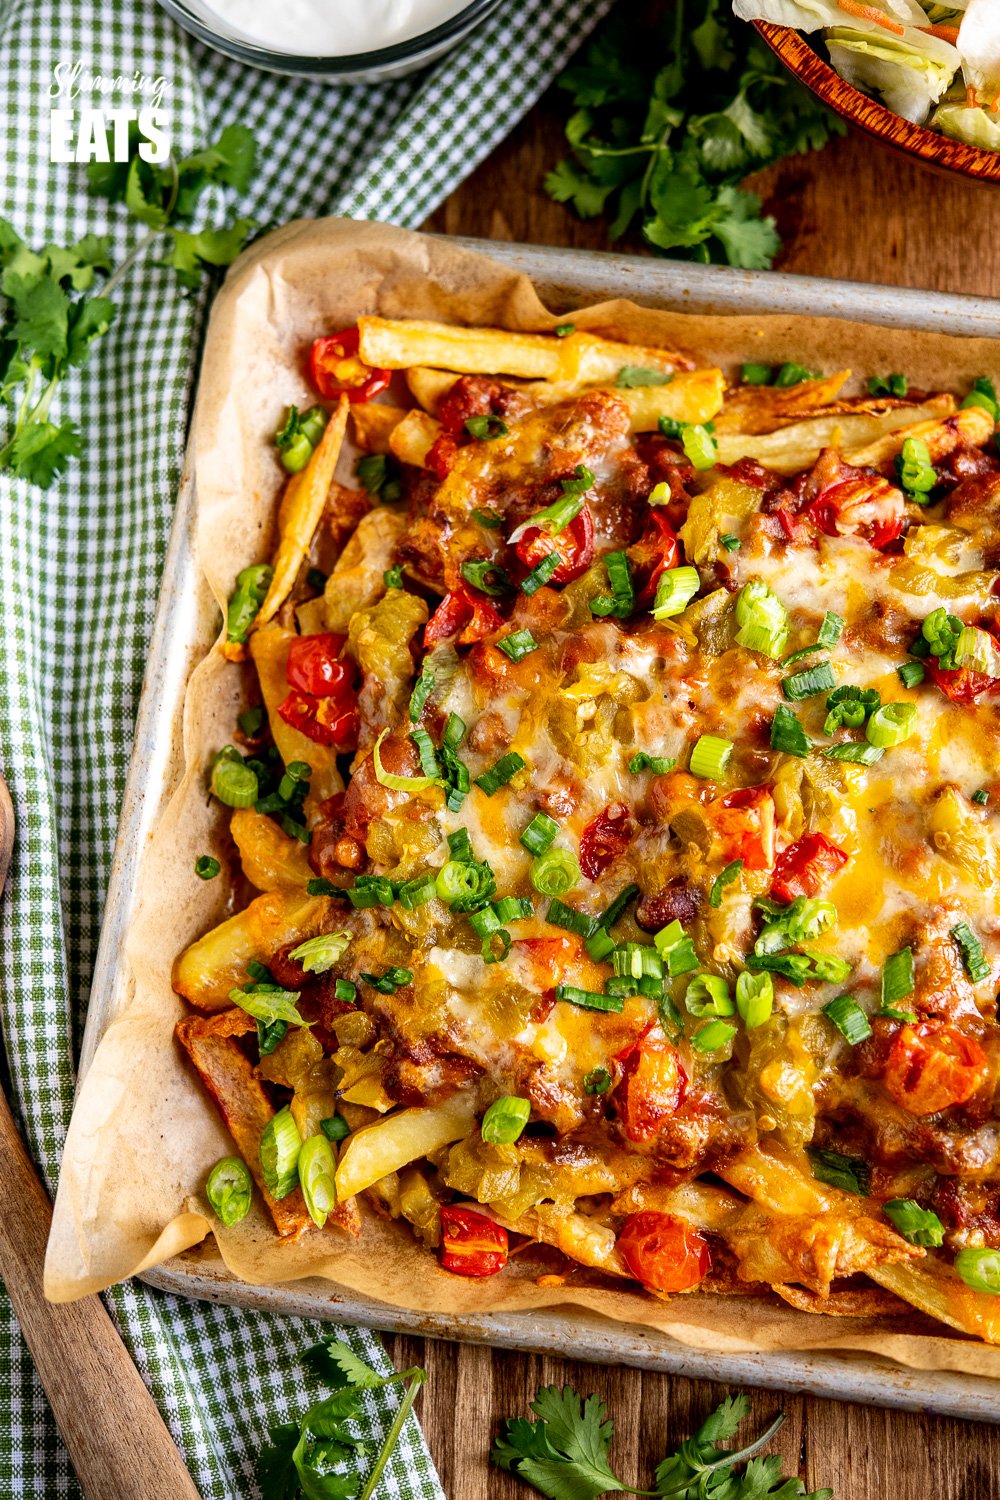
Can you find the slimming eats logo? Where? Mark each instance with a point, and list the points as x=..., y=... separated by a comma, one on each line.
x=79, y=132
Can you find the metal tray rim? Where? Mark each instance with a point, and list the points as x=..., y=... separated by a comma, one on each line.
x=567, y=278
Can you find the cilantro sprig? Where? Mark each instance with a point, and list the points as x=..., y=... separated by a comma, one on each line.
x=669, y=145
x=564, y=1455
x=53, y=309
x=318, y=1456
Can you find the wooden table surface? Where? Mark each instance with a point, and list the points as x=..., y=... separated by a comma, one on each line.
x=858, y=212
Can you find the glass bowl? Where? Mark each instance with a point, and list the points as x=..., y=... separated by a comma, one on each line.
x=357, y=67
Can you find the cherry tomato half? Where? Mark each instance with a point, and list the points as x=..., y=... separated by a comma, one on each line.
x=314, y=666
x=651, y=1085
x=325, y=720
x=933, y=1066
x=651, y=556
x=863, y=505
x=960, y=684
x=471, y=1244
x=604, y=838
x=664, y=1252
x=335, y=369
x=803, y=867
x=463, y=613
x=744, y=821
x=574, y=544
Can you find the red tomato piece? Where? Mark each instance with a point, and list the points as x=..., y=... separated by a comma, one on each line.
x=551, y=958
x=960, y=684
x=654, y=552
x=464, y=614
x=604, y=838
x=933, y=1066
x=574, y=544
x=314, y=666
x=803, y=867
x=335, y=369
x=744, y=821
x=863, y=505
x=664, y=1252
x=651, y=1085
x=324, y=720
x=441, y=455
x=471, y=1244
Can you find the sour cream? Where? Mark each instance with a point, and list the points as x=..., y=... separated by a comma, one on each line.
x=326, y=28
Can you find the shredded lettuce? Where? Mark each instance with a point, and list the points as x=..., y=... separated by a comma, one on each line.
x=910, y=73
x=814, y=15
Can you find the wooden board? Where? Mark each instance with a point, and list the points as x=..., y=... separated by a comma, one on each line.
x=857, y=212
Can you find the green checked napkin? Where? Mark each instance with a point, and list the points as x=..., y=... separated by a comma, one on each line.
x=79, y=572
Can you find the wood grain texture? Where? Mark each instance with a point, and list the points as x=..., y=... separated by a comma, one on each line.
x=873, y=118
x=862, y=213
x=114, y=1434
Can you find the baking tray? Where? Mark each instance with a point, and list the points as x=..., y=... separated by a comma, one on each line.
x=182, y=631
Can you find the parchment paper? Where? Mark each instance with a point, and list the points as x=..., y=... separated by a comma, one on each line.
x=144, y=1134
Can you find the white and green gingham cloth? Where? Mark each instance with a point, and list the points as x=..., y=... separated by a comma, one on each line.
x=79, y=572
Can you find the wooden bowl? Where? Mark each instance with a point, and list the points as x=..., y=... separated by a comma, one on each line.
x=870, y=116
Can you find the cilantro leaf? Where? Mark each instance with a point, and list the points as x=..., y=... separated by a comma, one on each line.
x=276, y=1474
x=87, y=321
x=41, y=314
x=191, y=252
x=568, y=183
x=565, y=1453
x=42, y=450
x=342, y=1366
x=77, y=263
x=230, y=160
x=749, y=240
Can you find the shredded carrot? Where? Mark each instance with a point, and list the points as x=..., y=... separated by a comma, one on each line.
x=971, y=102
x=869, y=13
x=946, y=33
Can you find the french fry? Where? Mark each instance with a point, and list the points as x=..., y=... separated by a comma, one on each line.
x=397, y=1140
x=269, y=648
x=762, y=408
x=585, y=1240
x=428, y=386
x=271, y=860
x=973, y=425
x=695, y=397
x=229, y=1078
x=413, y=438
x=358, y=577
x=796, y=447
x=217, y=963
x=301, y=511
x=581, y=357
x=374, y=424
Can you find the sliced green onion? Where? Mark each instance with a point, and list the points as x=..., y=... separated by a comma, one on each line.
x=978, y=650
x=417, y=892
x=713, y=1037
x=941, y=631
x=807, y=917
x=488, y=518
x=320, y=886
x=971, y=949
x=621, y=601
x=513, y=909
x=319, y=954
x=915, y=470
x=589, y=999
x=540, y=574
x=269, y=1034
x=371, y=890
x=756, y=374
x=252, y=720
x=268, y=1002
x=762, y=620
x=484, y=922
x=379, y=475
x=460, y=846
x=888, y=385
x=555, y=872
x=496, y=946
x=600, y=945
x=563, y=330
x=389, y=982
x=233, y=781
x=597, y=1081
x=631, y=376
x=918, y=1225
x=557, y=516
x=454, y=731
x=393, y=577
x=504, y=1121
x=428, y=755
x=498, y=775
x=730, y=542
x=912, y=673
x=754, y=999
x=847, y=1172
x=317, y=1170
x=674, y=592
x=398, y=783
x=229, y=1190
x=539, y=834
x=658, y=764
x=518, y=644
x=249, y=594
x=984, y=394
x=465, y=885
x=616, y=908
x=851, y=706
x=710, y=757
x=861, y=754
x=980, y=1269
x=486, y=576
x=787, y=734
x=981, y=797
x=725, y=877
x=848, y=1017
x=830, y=630
x=486, y=427
x=422, y=689
x=827, y=967
x=673, y=944
x=891, y=725
x=708, y=995
x=800, y=685
x=206, y=868
x=659, y=494
x=567, y=917
x=280, y=1145
x=634, y=960
x=699, y=444
x=897, y=977
x=335, y=1128
x=346, y=991
x=793, y=374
